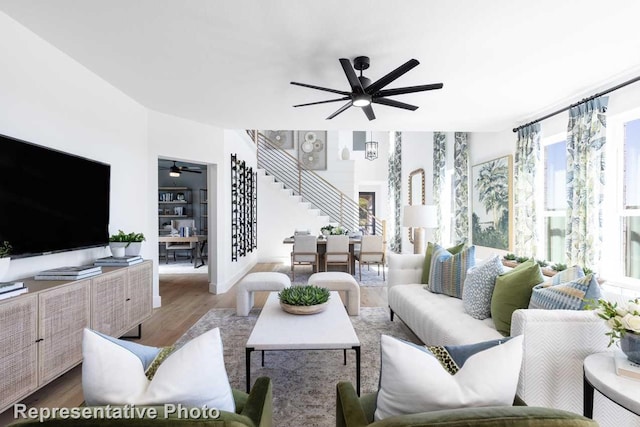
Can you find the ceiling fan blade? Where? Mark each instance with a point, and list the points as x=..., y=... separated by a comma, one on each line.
x=368, y=110
x=383, y=81
x=408, y=89
x=323, y=102
x=340, y=110
x=341, y=92
x=188, y=170
x=356, y=86
x=392, y=103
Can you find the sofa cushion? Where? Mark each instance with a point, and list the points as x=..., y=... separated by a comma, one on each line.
x=413, y=379
x=513, y=291
x=113, y=373
x=426, y=313
x=478, y=287
x=571, y=295
x=448, y=271
x=427, y=259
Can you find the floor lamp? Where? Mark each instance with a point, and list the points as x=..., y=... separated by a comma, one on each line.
x=420, y=217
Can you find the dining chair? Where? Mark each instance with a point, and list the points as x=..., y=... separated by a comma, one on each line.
x=337, y=252
x=305, y=252
x=371, y=252
x=176, y=225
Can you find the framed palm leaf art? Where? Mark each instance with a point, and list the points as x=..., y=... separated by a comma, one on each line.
x=492, y=203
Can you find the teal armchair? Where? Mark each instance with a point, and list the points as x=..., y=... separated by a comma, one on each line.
x=252, y=410
x=354, y=411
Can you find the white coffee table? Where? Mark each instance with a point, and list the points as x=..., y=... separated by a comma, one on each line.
x=279, y=330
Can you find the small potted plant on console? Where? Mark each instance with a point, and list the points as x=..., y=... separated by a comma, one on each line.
x=135, y=243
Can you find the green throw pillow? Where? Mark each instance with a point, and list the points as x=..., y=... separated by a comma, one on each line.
x=513, y=291
x=426, y=268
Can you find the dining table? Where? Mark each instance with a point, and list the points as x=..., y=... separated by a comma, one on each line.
x=200, y=240
x=322, y=249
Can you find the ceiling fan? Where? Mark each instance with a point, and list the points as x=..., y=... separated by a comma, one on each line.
x=364, y=93
x=176, y=170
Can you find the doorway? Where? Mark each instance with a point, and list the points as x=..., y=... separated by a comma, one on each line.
x=182, y=213
x=367, y=201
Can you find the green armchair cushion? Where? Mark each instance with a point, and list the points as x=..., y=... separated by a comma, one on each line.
x=354, y=411
x=252, y=410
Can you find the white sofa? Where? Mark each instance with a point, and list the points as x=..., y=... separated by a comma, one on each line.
x=555, y=341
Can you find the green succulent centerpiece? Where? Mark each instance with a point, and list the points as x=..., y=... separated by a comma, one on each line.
x=308, y=299
x=122, y=243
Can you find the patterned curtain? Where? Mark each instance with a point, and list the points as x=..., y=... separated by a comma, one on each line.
x=439, y=159
x=461, y=187
x=586, y=138
x=526, y=168
x=395, y=194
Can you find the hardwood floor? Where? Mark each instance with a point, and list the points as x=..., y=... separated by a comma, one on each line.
x=185, y=298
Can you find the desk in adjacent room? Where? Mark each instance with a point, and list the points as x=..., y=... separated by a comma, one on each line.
x=200, y=241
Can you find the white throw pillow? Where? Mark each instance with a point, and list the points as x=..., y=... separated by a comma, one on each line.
x=113, y=373
x=413, y=380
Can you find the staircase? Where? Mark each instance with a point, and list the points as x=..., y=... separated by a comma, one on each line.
x=321, y=197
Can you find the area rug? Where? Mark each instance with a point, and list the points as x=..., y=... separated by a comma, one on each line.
x=370, y=277
x=304, y=382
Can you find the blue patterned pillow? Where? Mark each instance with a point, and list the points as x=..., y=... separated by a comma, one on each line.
x=478, y=287
x=568, y=275
x=571, y=295
x=449, y=271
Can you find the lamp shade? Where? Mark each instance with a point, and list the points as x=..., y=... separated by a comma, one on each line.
x=420, y=216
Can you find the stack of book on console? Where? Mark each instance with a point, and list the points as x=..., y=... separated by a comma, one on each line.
x=119, y=261
x=69, y=273
x=11, y=289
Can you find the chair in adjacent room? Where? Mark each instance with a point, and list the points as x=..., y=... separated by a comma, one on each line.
x=371, y=252
x=176, y=226
x=305, y=252
x=337, y=252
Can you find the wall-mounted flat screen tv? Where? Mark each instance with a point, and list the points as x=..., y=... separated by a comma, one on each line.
x=51, y=201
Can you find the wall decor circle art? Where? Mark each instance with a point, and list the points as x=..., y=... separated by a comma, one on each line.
x=280, y=138
x=312, y=149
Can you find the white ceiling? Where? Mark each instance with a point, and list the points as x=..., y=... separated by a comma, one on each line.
x=229, y=62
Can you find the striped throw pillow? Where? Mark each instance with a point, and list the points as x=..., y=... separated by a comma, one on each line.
x=448, y=271
x=570, y=295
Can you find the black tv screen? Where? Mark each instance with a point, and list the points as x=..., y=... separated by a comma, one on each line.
x=51, y=201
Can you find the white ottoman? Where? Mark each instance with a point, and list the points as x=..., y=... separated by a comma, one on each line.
x=266, y=281
x=338, y=281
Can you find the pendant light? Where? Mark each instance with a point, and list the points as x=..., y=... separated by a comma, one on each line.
x=371, y=148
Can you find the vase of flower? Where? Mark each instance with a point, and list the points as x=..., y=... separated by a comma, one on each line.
x=630, y=345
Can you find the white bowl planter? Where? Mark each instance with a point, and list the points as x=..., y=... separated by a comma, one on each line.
x=134, y=248
x=117, y=248
x=4, y=266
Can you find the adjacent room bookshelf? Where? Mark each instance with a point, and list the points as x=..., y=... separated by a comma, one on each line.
x=173, y=203
x=204, y=209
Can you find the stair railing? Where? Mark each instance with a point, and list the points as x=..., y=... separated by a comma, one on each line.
x=312, y=188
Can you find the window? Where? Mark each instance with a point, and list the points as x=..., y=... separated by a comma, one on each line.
x=631, y=199
x=555, y=201
x=359, y=138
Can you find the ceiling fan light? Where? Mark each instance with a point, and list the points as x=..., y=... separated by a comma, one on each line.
x=174, y=174
x=361, y=100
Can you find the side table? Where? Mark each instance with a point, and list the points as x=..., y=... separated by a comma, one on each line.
x=600, y=374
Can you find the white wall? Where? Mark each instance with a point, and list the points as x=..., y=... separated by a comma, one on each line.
x=51, y=100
